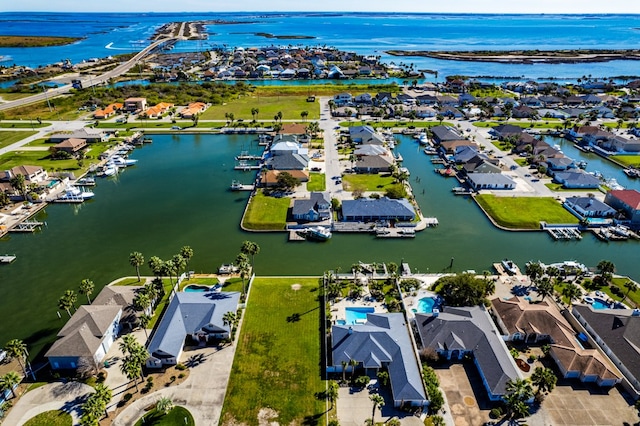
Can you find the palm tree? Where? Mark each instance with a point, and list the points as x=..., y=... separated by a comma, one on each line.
x=332, y=392
x=229, y=318
x=179, y=263
x=103, y=394
x=128, y=344
x=543, y=379
x=187, y=253
x=254, y=113
x=169, y=268
x=67, y=301
x=156, y=265
x=132, y=369
x=279, y=115
x=17, y=349
x=353, y=363
x=571, y=292
x=304, y=115
x=606, y=269
x=630, y=286
x=378, y=402
x=10, y=381
x=136, y=259
x=151, y=292
x=141, y=301
x=344, y=370
x=544, y=287
x=519, y=391
x=86, y=288
x=250, y=248
x=244, y=270
x=144, y=321
x=533, y=269
x=164, y=405
x=17, y=182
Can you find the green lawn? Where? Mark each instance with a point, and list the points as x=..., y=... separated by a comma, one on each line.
x=51, y=418
x=12, y=96
x=317, y=182
x=30, y=124
x=41, y=158
x=522, y=162
x=547, y=123
x=558, y=187
x=367, y=182
x=633, y=296
x=41, y=143
x=160, y=307
x=10, y=137
x=233, y=284
x=277, y=361
x=268, y=106
x=627, y=160
x=175, y=417
x=266, y=213
x=524, y=212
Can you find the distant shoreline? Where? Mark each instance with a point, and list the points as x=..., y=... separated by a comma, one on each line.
x=526, y=56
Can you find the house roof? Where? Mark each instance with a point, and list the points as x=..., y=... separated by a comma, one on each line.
x=619, y=330
x=519, y=315
x=630, y=197
x=120, y=295
x=445, y=133
x=97, y=319
x=471, y=329
x=25, y=170
x=588, y=204
x=81, y=343
x=374, y=162
x=293, y=129
x=189, y=313
x=490, y=179
x=370, y=150
x=384, y=207
x=72, y=143
x=577, y=177
x=287, y=161
x=317, y=200
x=383, y=340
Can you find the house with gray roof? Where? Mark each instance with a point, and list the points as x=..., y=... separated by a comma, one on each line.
x=457, y=332
x=196, y=314
x=586, y=207
x=480, y=181
x=445, y=133
x=88, y=334
x=383, y=341
x=317, y=207
x=373, y=163
x=365, y=135
x=617, y=332
x=123, y=296
x=371, y=210
x=287, y=161
x=87, y=134
x=576, y=179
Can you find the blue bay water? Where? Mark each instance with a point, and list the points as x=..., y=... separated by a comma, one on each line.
x=368, y=33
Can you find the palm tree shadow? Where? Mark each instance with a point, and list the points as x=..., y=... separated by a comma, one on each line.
x=295, y=317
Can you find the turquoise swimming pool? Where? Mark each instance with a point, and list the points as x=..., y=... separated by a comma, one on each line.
x=427, y=304
x=600, y=304
x=357, y=314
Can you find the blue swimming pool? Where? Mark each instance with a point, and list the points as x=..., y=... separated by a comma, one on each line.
x=600, y=304
x=427, y=304
x=357, y=314
x=197, y=288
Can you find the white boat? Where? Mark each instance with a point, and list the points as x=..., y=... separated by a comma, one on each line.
x=110, y=169
x=79, y=192
x=510, y=266
x=122, y=161
x=318, y=233
x=423, y=139
x=405, y=171
x=632, y=173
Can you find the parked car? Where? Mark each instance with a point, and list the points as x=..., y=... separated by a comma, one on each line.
x=176, y=128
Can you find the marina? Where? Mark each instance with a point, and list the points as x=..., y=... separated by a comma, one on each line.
x=563, y=233
x=27, y=226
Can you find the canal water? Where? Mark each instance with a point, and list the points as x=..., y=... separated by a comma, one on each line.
x=178, y=195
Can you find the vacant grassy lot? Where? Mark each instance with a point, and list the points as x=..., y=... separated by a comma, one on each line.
x=266, y=213
x=51, y=418
x=41, y=158
x=268, y=107
x=62, y=108
x=524, y=212
x=12, y=96
x=277, y=361
x=29, y=124
x=317, y=182
x=627, y=160
x=10, y=136
x=367, y=182
x=329, y=88
x=388, y=124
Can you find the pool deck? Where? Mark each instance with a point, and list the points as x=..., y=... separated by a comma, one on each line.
x=411, y=302
x=338, y=308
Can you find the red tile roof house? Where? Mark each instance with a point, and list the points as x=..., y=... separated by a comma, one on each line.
x=107, y=112
x=627, y=200
x=135, y=104
x=542, y=322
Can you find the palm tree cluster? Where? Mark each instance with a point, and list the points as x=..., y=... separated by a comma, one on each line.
x=96, y=405
x=159, y=268
x=9, y=381
x=519, y=393
x=245, y=268
x=68, y=301
x=135, y=356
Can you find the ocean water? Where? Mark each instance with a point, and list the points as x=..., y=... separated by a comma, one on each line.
x=368, y=33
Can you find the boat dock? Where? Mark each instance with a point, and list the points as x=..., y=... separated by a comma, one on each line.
x=564, y=233
x=247, y=167
x=248, y=157
x=295, y=235
x=431, y=222
x=499, y=267
x=406, y=269
x=27, y=226
x=7, y=258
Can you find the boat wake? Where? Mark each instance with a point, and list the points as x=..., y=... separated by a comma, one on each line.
x=110, y=46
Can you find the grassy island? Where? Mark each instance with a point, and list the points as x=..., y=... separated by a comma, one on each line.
x=524, y=212
x=563, y=56
x=35, y=41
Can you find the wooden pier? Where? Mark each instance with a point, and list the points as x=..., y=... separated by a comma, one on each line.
x=247, y=167
x=564, y=233
x=295, y=235
x=27, y=226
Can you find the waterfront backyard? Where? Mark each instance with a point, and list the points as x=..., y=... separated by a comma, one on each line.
x=276, y=372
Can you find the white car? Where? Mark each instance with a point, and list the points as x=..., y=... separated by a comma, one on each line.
x=176, y=128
